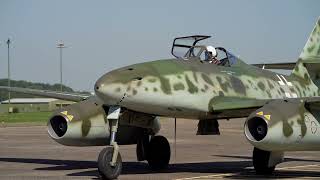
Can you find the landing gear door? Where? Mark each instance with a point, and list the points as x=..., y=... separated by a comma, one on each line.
x=185, y=47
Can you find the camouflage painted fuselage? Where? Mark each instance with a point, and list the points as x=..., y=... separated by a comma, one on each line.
x=190, y=88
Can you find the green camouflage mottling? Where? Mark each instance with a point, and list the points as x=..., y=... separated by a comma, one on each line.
x=312, y=47
x=87, y=125
x=196, y=89
x=296, y=129
x=310, y=56
x=191, y=85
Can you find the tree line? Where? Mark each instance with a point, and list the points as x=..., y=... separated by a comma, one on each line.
x=31, y=85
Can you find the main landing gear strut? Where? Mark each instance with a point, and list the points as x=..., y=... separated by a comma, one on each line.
x=156, y=150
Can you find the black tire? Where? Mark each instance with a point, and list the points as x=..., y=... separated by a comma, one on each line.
x=158, y=155
x=260, y=159
x=142, y=148
x=106, y=171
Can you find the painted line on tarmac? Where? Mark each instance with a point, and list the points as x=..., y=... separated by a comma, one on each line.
x=208, y=176
x=230, y=174
x=295, y=167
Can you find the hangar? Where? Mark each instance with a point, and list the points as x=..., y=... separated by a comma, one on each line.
x=32, y=105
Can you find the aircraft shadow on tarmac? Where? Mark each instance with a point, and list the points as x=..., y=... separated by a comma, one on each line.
x=250, y=158
x=232, y=169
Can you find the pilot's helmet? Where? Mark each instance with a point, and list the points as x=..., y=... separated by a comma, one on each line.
x=212, y=50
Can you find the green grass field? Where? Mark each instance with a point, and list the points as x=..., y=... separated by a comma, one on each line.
x=32, y=117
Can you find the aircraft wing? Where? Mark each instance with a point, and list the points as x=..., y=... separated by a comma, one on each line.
x=45, y=93
x=233, y=107
x=242, y=107
x=312, y=100
x=286, y=66
x=223, y=103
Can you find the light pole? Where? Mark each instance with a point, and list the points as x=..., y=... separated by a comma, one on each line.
x=60, y=45
x=9, y=82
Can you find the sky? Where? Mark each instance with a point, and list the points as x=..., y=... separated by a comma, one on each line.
x=105, y=35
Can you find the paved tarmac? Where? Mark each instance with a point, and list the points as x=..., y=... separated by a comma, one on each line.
x=28, y=153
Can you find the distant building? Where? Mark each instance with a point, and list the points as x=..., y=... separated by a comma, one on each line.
x=32, y=104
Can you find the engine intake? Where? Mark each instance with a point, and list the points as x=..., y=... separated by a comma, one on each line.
x=57, y=126
x=256, y=128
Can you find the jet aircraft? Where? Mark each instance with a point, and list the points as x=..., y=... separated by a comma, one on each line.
x=282, y=110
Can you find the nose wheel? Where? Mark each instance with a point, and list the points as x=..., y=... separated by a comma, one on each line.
x=109, y=160
x=105, y=167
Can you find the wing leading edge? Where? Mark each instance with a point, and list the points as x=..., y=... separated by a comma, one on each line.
x=233, y=107
x=45, y=93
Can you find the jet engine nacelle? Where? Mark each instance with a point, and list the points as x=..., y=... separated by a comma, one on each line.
x=85, y=124
x=284, y=125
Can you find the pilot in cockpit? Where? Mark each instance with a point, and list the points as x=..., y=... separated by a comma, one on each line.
x=211, y=55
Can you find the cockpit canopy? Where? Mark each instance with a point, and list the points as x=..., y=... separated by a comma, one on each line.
x=186, y=48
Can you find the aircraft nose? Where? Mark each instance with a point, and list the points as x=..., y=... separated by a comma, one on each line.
x=99, y=88
x=106, y=90
x=115, y=87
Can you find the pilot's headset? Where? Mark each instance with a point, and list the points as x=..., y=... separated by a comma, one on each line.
x=212, y=51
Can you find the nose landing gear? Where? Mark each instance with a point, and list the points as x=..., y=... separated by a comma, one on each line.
x=106, y=170
x=109, y=160
x=156, y=150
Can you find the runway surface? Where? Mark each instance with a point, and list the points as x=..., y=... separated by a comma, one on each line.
x=28, y=153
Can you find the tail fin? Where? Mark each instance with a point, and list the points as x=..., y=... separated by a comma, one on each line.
x=308, y=65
